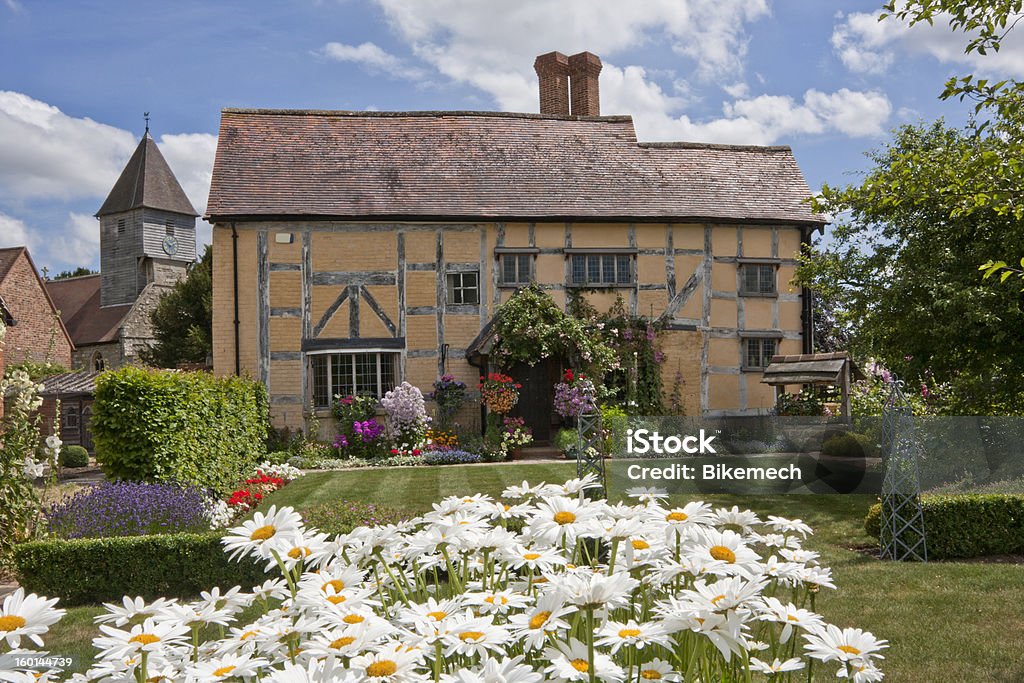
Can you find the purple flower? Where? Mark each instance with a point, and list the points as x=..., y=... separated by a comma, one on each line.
x=340, y=441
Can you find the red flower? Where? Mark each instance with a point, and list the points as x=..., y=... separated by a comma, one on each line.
x=394, y=451
x=415, y=451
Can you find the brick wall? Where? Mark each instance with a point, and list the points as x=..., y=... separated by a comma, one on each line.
x=37, y=336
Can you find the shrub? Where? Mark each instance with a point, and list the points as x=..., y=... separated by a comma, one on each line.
x=342, y=516
x=565, y=441
x=93, y=570
x=129, y=508
x=964, y=526
x=850, y=445
x=278, y=457
x=191, y=427
x=74, y=456
x=450, y=457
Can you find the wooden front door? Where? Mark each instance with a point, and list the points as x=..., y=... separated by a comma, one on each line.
x=536, y=397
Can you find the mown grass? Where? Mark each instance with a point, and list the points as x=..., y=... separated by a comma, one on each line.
x=945, y=621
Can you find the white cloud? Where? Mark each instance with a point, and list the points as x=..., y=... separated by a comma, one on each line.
x=81, y=238
x=492, y=47
x=190, y=156
x=14, y=233
x=48, y=154
x=765, y=119
x=371, y=56
x=866, y=45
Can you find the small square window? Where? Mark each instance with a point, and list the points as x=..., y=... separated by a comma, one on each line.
x=758, y=352
x=757, y=279
x=464, y=287
x=515, y=269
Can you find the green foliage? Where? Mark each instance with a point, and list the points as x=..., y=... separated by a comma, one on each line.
x=636, y=381
x=278, y=457
x=530, y=327
x=965, y=526
x=850, y=445
x=342, y=516
x=77, y=272
x=37, y=370
x=903, y=273
x=186, y=427
x=565, y=440
x=183, y=319
x=92, y=570
x=807, y=402
x=73, y=456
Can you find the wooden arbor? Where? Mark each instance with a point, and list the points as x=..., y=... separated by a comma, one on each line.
x=820, y=369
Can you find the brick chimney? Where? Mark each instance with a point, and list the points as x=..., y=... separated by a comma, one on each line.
x=584, y=69
x=553, y=75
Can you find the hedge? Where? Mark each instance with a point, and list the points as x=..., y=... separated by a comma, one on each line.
x=965, y=526
x=73, y=456
x=186, y=427
x=94, y=570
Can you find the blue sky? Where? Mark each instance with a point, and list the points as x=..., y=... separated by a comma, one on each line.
x=823, y=77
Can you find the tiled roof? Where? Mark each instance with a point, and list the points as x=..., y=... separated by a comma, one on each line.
x=78, y=300
x=147, y=181
x=466, y=165
x=83, y=382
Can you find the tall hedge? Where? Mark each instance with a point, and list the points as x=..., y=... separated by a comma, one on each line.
x=189, y=427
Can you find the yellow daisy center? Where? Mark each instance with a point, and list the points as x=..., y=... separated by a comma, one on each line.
x=342, y=642
x=249, y=634
x=539, y=619
x=384, y=667
x=849, y=649
x=144, y=639
x=263, y=533
x=474, y=636
x=299, y=552
x=580, y=665
x=718, y=598
x=650, y=675
x=674, y=517
x=531, y=556
x=336, y=599
x=437, y=616
x=564, y=517
x=720, y=552
x=629, y=633
x=354, y=619
x=640, y=544
x=790, y=617
x=337, y=584
x=11, y=622
x=224, y=670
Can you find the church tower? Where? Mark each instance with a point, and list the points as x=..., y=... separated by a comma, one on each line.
x=147, y=228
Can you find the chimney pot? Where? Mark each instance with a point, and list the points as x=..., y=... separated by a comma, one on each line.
x=553, y=76
x=584, y=70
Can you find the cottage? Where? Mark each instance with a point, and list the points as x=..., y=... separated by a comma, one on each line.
x=35, y=331
x=354, y=250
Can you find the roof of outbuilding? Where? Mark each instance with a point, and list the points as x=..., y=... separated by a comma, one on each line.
x=489, y=165
x=82, y=382
x=147, y=181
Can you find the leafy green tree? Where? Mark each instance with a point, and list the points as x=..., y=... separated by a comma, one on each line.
x=903, y=274
x=77, y=272
x=183, y=319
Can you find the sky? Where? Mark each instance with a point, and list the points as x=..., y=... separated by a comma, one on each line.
x=824, y=77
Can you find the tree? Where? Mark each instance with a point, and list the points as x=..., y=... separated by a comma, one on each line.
x=77, y=272
x=183, y=319
x=902, y=271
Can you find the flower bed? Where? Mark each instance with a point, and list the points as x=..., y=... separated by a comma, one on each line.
x=585, y=591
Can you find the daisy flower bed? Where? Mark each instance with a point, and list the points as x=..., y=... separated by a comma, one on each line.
x=541, y=585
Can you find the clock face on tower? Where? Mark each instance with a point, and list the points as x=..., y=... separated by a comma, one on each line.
x=170, y=245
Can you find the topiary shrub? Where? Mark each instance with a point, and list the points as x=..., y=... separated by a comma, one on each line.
x=74, y=456
x=965, y=526
x=850, y=445
x=94, y=570
x=187, y=427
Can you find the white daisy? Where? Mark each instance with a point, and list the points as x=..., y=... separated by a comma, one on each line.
x=27, y=615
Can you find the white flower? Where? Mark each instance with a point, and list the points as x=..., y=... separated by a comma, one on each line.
x=149, y=636
x=265, y=534
x=776, y=666
x=616, y=634
x=33, y=469
x=131, y=608
x=27, y=615
x=570, y=662
x=845, y=645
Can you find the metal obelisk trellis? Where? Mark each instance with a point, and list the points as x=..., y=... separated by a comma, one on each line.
x=589, y=458
x=903, y=532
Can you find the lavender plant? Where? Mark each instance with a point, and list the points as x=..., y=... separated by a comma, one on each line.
x=129, y=508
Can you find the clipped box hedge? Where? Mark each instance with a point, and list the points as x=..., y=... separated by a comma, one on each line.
x=967, y=525
x=93, y=570
x=185, y=427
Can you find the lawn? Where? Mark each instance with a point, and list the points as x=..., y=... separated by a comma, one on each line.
x=945, y=621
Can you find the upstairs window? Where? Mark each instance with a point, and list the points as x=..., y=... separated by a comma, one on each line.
x=758, y=352
x=516, y=269
x=464, y=287
x=757, y=279
x=601, y=270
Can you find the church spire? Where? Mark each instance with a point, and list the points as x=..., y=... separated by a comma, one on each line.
x=147, y=182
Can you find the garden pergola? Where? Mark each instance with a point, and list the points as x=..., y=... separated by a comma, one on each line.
x=835, y=369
